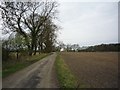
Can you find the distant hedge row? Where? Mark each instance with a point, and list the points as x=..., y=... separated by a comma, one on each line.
x=103, y=47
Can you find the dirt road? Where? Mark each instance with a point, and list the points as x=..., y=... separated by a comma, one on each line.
x=94, y=69
x=38, y=75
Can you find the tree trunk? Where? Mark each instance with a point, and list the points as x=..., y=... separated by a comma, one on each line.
x=17, y=54
x=41, y=46
x=35, y=49
x=29, y=50
x=32, y=45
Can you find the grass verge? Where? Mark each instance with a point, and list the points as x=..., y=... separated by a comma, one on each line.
x=65, y=77
x=13, y=66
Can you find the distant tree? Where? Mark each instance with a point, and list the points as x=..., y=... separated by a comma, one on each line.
x=69, y=47
x=75, y=47
x=61, y=45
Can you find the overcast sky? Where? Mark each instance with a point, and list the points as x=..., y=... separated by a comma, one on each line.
x=88, y=23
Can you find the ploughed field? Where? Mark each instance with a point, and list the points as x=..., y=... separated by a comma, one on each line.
x=93, y=69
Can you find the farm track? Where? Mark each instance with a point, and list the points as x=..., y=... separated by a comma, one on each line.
x=94, y=69
x=38, y=75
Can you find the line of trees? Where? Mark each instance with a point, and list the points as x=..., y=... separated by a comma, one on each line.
x=67, y=47
x=77, y=48
x=32, y=25
x=104, y=47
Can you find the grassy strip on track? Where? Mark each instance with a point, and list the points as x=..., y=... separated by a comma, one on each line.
x=9, y=68
x=65, y=77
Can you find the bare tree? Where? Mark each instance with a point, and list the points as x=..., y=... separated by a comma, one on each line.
x=27, y=18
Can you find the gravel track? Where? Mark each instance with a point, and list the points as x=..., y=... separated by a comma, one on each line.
x=38, y=75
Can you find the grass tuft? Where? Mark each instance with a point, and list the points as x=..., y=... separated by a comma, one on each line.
x=64, y=75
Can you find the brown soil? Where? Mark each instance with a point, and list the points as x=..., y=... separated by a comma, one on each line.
x=94, y=69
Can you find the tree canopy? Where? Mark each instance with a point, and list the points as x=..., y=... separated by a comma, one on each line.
x=33, y=21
